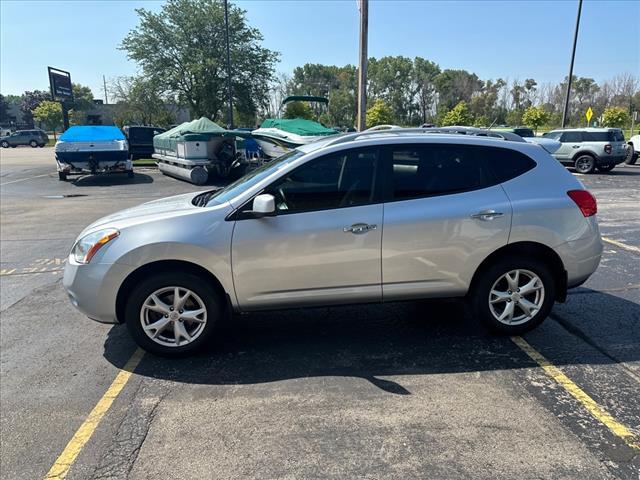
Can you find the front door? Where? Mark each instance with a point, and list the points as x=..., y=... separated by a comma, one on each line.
x=323, y=245
x=444, y=214
x=571, y=142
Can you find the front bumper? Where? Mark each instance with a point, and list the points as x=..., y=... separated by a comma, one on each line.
x=93, y=288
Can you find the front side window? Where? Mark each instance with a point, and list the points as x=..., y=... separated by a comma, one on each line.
x=338, y=180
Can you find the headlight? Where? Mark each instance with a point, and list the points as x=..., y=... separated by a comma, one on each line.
x=85, y=248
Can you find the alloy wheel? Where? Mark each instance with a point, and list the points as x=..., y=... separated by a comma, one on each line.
x=173, y=316
x=516, y=297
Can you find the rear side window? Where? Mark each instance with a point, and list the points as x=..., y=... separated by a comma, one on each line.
x=524, y=132
x=506, y=164
x=553, y=135
x=419, y=171
x=610, y=136
x=571, y=137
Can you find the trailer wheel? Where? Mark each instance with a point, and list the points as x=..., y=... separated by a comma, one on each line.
x=62, y=176
x=130, y=174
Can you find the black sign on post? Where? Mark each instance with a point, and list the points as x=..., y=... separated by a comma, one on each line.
x=61, y=90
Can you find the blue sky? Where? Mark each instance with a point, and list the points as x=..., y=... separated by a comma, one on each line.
x=514, y=39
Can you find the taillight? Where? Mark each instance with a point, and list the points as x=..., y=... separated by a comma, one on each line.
x=585, y=201
x=607, y=149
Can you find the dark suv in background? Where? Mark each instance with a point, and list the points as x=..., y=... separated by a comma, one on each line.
x=586, y=149
x=34, y=138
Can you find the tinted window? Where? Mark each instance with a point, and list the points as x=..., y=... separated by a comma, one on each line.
x=571, y=137
x=342, y=179
x=610, y=136
x=553, y=135
x=429, y=170
x=506, y=164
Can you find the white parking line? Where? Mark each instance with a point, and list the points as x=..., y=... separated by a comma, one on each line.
x=24, y=179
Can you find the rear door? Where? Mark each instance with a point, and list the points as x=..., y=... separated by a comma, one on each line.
x=571, y=142
x=444, y=212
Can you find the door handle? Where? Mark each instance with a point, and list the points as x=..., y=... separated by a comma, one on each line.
x=359, y=228
x=575, y=146
x=487, y=215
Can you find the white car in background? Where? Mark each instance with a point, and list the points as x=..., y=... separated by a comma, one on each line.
x=634, y=148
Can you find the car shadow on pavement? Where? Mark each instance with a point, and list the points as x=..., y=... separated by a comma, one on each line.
x=370, y=342
x=111, y=179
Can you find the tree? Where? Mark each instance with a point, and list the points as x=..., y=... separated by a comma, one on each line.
x=4, y=109
x=30, y=101
x=379, y=114
x=615, y=117
x=298, y=110
x=82, y=97
x=424, y=74
x=50, y=114
x=182, y=48
x=140, y=101
x=458, y=115
x=454, y=86
x=535, y=117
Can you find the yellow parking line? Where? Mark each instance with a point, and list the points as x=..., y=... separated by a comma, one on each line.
x=68, y=456
x=589, y=403
x=624, y=246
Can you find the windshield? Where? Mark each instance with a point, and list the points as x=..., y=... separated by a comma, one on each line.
x=254, y=177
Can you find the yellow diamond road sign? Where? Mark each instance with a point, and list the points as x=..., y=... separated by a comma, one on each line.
x=589, y=114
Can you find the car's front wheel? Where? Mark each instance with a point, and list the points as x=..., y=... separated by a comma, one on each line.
x=4, y=144
x=172, y=314
x=33, y=144
x=513, y=296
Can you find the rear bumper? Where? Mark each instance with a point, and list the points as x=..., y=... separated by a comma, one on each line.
x=580, y=258
x=610, y=159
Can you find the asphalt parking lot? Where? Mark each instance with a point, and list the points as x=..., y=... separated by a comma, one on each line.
x=407, y=390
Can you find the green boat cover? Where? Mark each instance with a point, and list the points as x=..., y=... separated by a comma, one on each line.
x=298, y=126
x=201, y=129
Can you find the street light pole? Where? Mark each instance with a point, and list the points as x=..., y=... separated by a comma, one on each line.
x=362, y=65
x=226, y=29
x=573, y=56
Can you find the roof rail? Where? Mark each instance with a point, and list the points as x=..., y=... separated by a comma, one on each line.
x=399, y=131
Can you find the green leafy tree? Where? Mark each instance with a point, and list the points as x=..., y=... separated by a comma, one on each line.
x=615, y=117
x=454, y=86
x=535, y=117
x=379, y=114
x=50, y=114
x=139, y=101
x=424, y=74
x=182, y=48
x=298, y=110
x=30, y=101
x=458, y=115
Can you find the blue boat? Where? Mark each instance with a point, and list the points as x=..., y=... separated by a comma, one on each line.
x=92, y=149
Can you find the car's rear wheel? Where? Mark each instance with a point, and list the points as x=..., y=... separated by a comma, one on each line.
x=606, y=168
x=4, y=144
x=632, y=155
x=172, y=314
x=33, y=144
x=585, y=164
x=513, y=296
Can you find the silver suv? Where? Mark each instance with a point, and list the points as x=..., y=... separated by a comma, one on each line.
x=586, y=149
x=356, y=218
x=34, y=138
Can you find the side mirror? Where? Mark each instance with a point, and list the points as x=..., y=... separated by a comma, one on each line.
x=264, y=205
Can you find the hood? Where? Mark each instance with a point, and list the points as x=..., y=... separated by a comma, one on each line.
x=549, y=144
x=147, y=212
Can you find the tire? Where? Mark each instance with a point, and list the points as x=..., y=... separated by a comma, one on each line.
x=14, y=146
x=606, y=168
x=585, y=164
x=41, y=145
x=632, y=156
x=62, y=176
x=4, y=144
x=130, y=174
x=33, y=144
x=140, y=308
x=488, y=307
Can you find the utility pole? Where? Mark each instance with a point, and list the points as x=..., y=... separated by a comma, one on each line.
x=573, y=56
x=106, y=98
x=226, y=29
x=362, y=64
